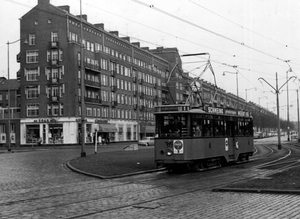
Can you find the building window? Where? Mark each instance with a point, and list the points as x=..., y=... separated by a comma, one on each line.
x=32, y=74
x=32, y=92
x=89, y=111
x=31, y=39
x=55, y=110
x=54, y=37
x=32, y=56
x=32, y=110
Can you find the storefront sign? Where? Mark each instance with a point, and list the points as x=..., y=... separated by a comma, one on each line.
x=44, y=121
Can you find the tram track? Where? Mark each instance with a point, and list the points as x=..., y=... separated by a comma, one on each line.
x=157, y=187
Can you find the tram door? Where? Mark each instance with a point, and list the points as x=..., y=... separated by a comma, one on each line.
x=233, y=139
x=235, y=143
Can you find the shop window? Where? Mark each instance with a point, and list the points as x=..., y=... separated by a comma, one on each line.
x=32, y=133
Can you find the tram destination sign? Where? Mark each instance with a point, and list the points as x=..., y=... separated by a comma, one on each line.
x=174, y=108
x=227, y=111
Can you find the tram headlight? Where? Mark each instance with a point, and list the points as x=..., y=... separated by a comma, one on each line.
x=169, y=152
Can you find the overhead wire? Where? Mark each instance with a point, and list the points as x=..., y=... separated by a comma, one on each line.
x=207, y=30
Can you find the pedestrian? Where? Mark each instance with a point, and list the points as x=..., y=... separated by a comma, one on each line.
x=100, y=139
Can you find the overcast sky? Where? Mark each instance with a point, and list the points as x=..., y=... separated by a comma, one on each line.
x=260, y=37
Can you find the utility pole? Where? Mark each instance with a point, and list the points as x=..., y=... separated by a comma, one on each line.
x=83, y=153
x=277, y=90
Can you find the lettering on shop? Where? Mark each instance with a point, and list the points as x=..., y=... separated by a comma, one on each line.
x=44, y=120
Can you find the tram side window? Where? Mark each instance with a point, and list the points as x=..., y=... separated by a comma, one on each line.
x=228, y=128
x=207, y=127
x=219, y=128
x=244, y=128
x=197, y=127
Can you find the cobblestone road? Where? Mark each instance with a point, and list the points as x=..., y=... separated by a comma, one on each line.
x=37, y=185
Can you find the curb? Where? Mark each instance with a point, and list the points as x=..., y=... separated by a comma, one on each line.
x=110, y=177
x=271, y=191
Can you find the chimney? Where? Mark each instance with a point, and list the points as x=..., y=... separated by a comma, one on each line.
x=84, y=17
x=43, y=2
x=65, y=8
x=126, y=38
x=100, y=26
x=145, y=48
x=114, y=33
x=136, y=44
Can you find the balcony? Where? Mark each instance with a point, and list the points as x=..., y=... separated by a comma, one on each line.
x=54, y=62
x=135, y=93
x=94, y=84
x=141, y=81
x=54, y=99
x=165, y=88
x=154, y=85
x=90, y=66
x=114, y=103
x=113, y=88
x=113, y=73
x=142, y=108
x=54, y=80
x=134, y=79
x=92, y=100
x=135, y=106
x=142, y=95
x=54, y=44
x=19, y=58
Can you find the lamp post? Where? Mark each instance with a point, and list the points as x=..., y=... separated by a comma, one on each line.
x=8, y=92
x=277, y=90
x=237, y=84
x=249, y=89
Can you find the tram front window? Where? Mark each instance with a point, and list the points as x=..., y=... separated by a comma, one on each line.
x=171, y=126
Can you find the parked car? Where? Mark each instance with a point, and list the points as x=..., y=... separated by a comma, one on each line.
x=294, y=135
x=147, y=141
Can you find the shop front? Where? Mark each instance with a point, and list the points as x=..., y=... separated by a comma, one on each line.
x=48, y=131
x=106, y=131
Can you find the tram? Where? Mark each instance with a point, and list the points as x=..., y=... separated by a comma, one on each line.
x=201, y=138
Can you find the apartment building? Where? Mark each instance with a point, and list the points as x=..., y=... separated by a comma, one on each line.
x=122, y=82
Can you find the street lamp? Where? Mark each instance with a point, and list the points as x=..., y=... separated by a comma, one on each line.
x=249, y=89
x=8, y=90
x=277, y=90
x=237, y=84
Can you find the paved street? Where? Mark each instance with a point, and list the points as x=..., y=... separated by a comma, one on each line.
x=36, y=184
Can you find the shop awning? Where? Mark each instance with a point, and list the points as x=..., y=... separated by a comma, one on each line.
x=150, y=129
x=107, y=128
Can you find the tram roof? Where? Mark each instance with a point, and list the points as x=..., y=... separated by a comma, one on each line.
x=183, y=108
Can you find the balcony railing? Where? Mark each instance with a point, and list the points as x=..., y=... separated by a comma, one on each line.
x=54, y=44
x=113, y=88
x=90, y=66
x=54, y=98
x=54, y=80
x=92, y=100
x=54, y=62
x=114, y=103
x=113, y=73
